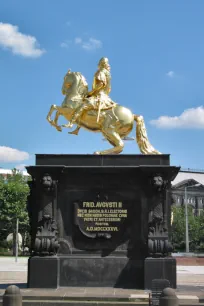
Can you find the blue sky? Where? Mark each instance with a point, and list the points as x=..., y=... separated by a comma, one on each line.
x=156, y=53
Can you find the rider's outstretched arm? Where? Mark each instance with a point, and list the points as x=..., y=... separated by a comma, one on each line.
x=99, y=86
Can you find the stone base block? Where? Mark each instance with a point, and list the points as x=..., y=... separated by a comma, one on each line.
x=85, y=271
x=160, y=268
x=43, y=272
x=96, y=271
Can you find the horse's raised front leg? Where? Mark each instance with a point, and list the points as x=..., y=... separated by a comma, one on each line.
x=59, y=129
x=52, y=108
x=54, y=122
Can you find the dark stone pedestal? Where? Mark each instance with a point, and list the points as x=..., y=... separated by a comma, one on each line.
x=94, y=271
x=94, y=219
x=160, y=268
x=43, y=272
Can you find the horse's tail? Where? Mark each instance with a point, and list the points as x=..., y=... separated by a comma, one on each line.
x=141, y=136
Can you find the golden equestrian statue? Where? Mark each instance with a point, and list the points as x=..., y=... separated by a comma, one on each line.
x=95, y=111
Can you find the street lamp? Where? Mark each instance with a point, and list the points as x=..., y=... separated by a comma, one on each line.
x=16, y=247
x=186, y=215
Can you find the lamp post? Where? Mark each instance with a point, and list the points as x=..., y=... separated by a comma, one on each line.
x=16, y=247
x=186, y=214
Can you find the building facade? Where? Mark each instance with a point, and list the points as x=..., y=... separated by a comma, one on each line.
x=8, y=172
x=191, y=182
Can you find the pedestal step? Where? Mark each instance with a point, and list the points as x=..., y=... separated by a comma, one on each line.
x=96, y=296
x=80, y=303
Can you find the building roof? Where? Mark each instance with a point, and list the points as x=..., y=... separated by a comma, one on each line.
x=191, y=185
x=189, y=174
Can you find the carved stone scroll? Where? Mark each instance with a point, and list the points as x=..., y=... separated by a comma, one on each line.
x=44, y=228
x=158, y=240
x=46, y=242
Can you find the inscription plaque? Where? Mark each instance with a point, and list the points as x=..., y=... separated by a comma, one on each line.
x=95, y=218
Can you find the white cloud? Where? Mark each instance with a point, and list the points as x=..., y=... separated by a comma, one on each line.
x=65, y=44
x=170, y=74
x=8, y=155
x=21, y=167
x=90, y=44
x=17, y=42
x=78, y=40
x=190, y=118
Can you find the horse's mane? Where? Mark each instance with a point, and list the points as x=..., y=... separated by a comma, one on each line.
x=81, y=78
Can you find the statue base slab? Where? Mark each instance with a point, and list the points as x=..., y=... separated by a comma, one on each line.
x=43, y=272
x=160, y=268
x=94, y=271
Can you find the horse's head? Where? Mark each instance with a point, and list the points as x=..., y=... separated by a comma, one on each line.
x=74, y=84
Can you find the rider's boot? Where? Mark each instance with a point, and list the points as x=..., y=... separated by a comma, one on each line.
x=78, y=112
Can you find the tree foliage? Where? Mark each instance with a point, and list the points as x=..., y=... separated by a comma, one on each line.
x=195, y=227
x=13, y=197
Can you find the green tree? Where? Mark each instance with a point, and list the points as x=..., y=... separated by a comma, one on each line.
x=197, y=232
x=195, y=226
x=178, y=228
x=13, y=197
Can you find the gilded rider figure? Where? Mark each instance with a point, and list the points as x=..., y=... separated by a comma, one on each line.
x=115, y=122
x=97, y=98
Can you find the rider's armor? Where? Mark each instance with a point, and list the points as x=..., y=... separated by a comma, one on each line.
x=98, y=98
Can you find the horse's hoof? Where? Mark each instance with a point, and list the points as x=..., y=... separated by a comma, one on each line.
x=52, y=122
x=73, y=133
x=59, y=129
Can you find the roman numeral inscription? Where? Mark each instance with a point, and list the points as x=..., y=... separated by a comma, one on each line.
x=103, y=216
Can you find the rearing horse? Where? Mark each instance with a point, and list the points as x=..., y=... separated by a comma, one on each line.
x=115, y=123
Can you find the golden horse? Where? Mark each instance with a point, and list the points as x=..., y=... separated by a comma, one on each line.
x=114, y=123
